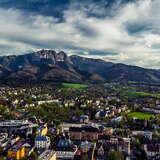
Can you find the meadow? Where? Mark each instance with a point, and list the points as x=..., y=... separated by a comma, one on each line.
x=68, y=86
x=140, y=115
x=137, y=94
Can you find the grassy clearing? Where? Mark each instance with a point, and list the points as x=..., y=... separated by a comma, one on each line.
x=140, y=115
x=68, y=86
x=136, y=94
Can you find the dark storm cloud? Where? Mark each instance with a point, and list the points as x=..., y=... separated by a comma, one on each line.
x=136, y=28
x=56, y=7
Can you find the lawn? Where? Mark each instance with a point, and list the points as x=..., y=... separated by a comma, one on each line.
x=140, y=115
x=73, y=86
x=136, y=94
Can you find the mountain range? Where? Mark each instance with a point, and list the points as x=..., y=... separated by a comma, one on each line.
x=49, y=66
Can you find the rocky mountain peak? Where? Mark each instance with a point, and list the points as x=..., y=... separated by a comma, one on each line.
x=51, y=66
x=51, y=54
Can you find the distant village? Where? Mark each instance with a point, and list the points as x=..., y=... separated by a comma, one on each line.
x=93, y=122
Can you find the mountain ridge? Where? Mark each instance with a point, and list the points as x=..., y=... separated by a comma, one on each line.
x=50, y=66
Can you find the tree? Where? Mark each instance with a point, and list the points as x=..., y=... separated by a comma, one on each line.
x=115, y=155
x=85, y=157
x=2, y=158
x=25, y=158
x=34, y=156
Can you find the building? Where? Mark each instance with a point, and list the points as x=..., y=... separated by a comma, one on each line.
x=124, y=145
x=3, y=139
x=147, y=134
x=65, y=126
x=101, y=114
x=108, y=131
x=64, y=143
x=47, y=155
x=13, y=126
x=28, y=148
x=117, y=119
x=13, y=139
x=42, y=142
x=151, y=110
x=116, y=143
x=84, y=133
x=17, y=151
x=65, y=155
x=100, y=152
x=84, y=119
x=42, y=130
x=152, y=150
x=85, y=146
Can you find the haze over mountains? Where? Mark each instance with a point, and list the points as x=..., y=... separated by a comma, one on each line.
x=49, y=66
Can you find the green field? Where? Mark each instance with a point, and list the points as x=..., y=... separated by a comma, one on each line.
x=69, y=86
x=140, y=115
x=136, y=94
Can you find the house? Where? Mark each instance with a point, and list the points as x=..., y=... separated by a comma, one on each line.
x=64, y=143
x=108, y=131
x=111, y=142
x=13, y=126
x=100, y=152
x=65, y=149
x=65, y=126
x=147, y=134
x=84, y=119
x=103, y=138
x=101, y=114
x=152, y=150
x=111, y=113
x=3, y=139
x=13, y=139
x=78, y=154
x=108, y=142
x=17, y=151
x=42, y=130
x=117, y=119
x=84, y=133
x=42, y=142
x=80, y=119
x=47, y=155
x=151, y=110
x=63, y=155
x=85, y=146
x=83, y=105
x=27, y=147
x=74, y=118
x=124, y=145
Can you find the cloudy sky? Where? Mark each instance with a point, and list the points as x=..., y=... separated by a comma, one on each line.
x=126, y=31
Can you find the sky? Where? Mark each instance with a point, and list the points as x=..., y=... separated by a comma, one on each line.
x=120, y=31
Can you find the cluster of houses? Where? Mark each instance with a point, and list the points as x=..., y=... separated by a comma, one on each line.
x=19, y=139
x=85, y=135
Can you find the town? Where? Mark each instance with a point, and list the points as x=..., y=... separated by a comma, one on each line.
x=69, y=121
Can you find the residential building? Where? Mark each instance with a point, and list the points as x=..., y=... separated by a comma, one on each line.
x=17, y=151
x=84, y=119
x=147, y=134
x=84, y=133
x=42, y=130
x=48, y=155
x=152, y=150
x=42, y=142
